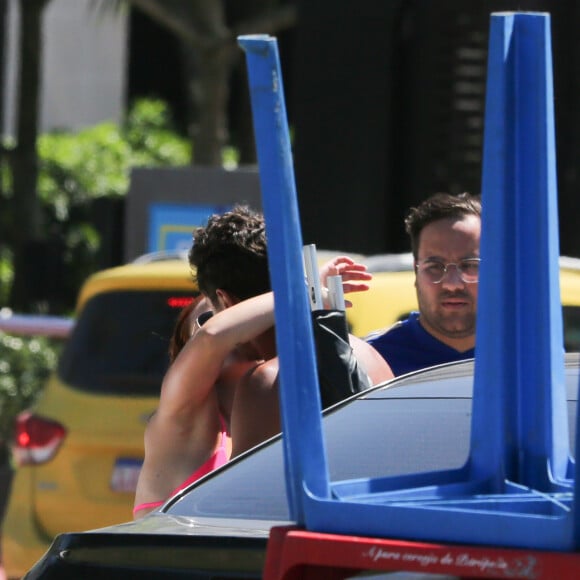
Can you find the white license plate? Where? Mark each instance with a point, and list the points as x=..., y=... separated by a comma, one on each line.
x=125, y=474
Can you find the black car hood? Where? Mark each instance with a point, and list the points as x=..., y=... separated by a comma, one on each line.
x=159, y=546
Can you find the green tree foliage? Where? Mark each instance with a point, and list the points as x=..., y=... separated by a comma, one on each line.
x=76, y=170
x=96, y=162
x=151, y=138
x=5, y=274
x=25, y=364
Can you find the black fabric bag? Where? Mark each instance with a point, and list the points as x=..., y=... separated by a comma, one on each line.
x=339, y=373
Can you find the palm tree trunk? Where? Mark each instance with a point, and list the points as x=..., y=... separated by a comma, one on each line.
x=209, y=86
x=27, y=224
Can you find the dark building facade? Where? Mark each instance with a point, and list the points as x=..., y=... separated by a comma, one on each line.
x=388, y=107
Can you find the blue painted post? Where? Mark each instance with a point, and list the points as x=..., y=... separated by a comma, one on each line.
x=519, y=370
x=299, y=393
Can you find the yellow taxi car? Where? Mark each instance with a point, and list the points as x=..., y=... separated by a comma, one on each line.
x=80, y=449
x=570, y=293
x=391, y=295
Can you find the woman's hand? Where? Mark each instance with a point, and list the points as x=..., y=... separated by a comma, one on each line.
x=354, y=275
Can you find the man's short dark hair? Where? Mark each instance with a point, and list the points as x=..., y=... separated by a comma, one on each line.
x=230, y=254
x=436, y=207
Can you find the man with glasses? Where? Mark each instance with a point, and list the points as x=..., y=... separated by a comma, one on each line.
x=444, y=231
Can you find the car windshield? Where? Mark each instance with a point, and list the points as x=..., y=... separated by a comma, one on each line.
x=420, y=422
x=120, y=343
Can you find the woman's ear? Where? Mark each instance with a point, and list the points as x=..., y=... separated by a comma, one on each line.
x=224, y=299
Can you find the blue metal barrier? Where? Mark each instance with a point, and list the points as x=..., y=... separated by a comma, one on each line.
x=300, y=405
x=517, y=488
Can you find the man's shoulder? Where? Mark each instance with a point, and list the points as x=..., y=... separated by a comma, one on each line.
x=261, y=375
x=392, y=332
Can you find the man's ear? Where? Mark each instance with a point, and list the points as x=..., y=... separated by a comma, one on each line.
x=225, y=299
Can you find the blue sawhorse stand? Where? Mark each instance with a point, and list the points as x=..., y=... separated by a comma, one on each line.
x=517, y=489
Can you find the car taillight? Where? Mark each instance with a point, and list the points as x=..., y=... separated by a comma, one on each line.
x=37, y=439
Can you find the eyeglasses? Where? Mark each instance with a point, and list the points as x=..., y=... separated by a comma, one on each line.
x=434, y=270
x=204, y=317
x=201, y=320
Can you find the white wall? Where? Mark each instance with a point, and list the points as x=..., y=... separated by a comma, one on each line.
x=84, y=65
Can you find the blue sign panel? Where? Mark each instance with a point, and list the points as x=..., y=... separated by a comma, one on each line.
x=171, y=225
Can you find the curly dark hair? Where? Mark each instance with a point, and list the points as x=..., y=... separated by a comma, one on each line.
x=230, y=253
x=436, y=207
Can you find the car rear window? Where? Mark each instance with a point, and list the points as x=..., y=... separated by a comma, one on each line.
x=120, y=342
